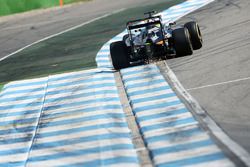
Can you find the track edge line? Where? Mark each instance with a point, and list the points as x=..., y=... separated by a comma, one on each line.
x=202, y=115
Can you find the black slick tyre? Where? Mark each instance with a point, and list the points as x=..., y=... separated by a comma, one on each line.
x=182, y=42
x=119, y=55
x=195, y=34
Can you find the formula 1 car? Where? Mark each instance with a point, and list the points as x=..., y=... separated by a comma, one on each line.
x=150, y=40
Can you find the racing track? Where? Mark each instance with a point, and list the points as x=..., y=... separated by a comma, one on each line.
x=20, y=30
x=221, y=66
x=170, y=131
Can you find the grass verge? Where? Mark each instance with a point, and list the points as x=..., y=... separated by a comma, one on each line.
x=16, y=6
x=74, y=50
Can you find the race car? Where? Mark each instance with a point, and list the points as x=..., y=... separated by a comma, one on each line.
x=148, y=40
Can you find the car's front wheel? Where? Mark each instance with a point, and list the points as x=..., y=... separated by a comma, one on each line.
x=182, y=42
x=119, y=55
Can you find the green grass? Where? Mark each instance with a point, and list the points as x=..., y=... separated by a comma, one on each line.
x=75, y=50
x=16, y=6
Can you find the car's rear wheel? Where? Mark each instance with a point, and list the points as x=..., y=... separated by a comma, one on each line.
x=195, y=34
x=182, y=42
x=119, y=55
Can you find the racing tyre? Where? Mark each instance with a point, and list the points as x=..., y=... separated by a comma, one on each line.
x=119, y=55
x=195, y=34
x=182, y=42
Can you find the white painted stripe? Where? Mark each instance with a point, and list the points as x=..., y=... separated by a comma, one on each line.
x=178, y=141
x=15, y=118
x=143, y=88
x=141, y=74
x=167, y=129
x=182, y=10
x=132, y=69
x=7, y=147
x=80, y=125
x=81, y=91
x=155, y=102
x=218, y=84
x=42, y=92
x=186, y=154
x=176, y=129
x=102, y=58
x=77, y=116
x=79, y=107
x=147, y=79
x=83, y=85
x=16, y=157
x=161, y=110
x=220, y=163
x=105, y=46
x=82, y=100
x=150, y=94
x=99, y=104
x=124, y=165
x=28, y=81
x=78, y=135
x=85, y=93
x=58, y=127
x=76, y=73
x=148, y=83
x=13, y=135
x=19, y=102
x=85, y=158
x=103, y=52
x=93, y=76
x=171, y=16
x=22, y=109
x=80, y=146
x=165, y=119
x=23, y=88
x=83, y=80
x=104, y=64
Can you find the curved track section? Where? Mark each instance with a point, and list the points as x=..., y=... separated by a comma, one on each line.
x=77, y=118
x=218, y=75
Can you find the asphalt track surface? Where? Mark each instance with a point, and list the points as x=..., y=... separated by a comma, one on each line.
x=223, y=58
x=218, y=74
x=20, y=30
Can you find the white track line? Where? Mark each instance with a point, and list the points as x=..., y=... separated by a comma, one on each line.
x=62, y=32
x=218, y=84
x=234, y=147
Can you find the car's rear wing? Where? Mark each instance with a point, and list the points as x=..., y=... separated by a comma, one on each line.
x=143, y=25
x=141, y=22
